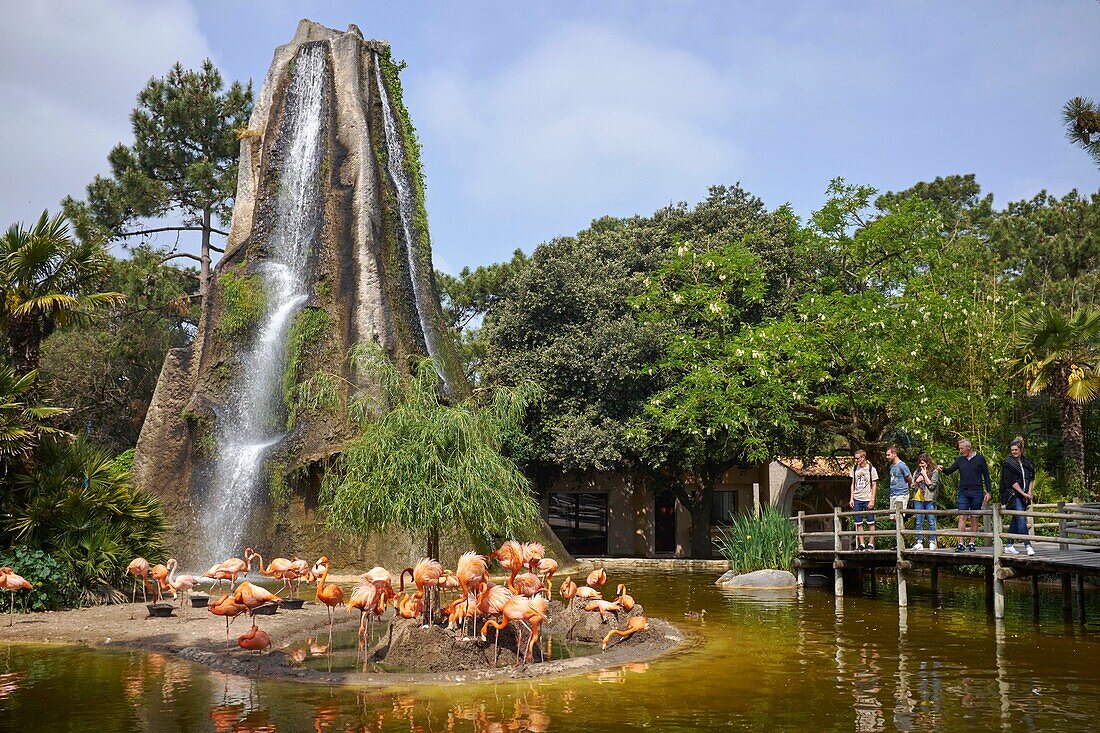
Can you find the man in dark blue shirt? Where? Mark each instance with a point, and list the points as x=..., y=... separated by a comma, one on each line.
x=973, y=477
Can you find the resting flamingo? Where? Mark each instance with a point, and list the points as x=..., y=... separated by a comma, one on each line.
x=227, y=607
x=253, y=596
x=407, y=605
x=596, y=578
x=528, y=584
x=533, y=552
x=229, y=569
x=633, y=626
x=330, y=595
x=511, y=556
x=568, y=591
x=624, y=600
x=255, y=639
x=588, y=593
x=604, y=607
x=11, y=582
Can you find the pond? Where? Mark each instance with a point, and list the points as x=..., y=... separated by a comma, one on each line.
x=780, y=661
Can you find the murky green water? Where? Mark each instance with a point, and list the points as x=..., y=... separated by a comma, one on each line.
x=782, y=662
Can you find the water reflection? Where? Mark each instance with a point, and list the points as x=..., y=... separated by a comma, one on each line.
x=784, y=662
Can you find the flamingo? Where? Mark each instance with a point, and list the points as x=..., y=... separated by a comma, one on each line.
x=568, y=591
x=159, y=573
x=547, y=567
x=519, y=609
x=253, y=596
x=604, y=607
x=365, y=596
x=425, y=575
x=11, y=582
x=472, y=570
x=528, y=584
x=230, y=569
x=490, y=600
x=139, y=568
x=511, y=556
x=228, y=607
x=301, y=571
x=596, y=578
x=255, y=639
x=279, y=568
x=182, y=584
x=624, y=600
x=633, y=626
x=533, y=552
x=330, y=595
x=407, y=606
x=587, y=593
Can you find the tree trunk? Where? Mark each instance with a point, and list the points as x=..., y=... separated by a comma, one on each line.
x=433, y=543
x=1073, y=435
x=204, y=255
x=25, y=336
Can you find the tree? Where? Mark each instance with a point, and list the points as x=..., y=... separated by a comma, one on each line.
x=423, y=465
x=1062, y=353
x=24, y=420
x=105, y=370
x=47, y=280
x=1082, y=120
x=183, y=161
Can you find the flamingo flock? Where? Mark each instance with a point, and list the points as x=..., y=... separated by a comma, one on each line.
x=521, y=602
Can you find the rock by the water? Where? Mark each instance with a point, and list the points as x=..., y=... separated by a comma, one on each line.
x=760, y=579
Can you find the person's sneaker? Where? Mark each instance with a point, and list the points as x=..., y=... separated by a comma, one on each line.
x=918, y=546
x=861, y=547
x=959, y=547
x=1010, y=550
x=1030, y=550
x=971, y=547
x=932, y=545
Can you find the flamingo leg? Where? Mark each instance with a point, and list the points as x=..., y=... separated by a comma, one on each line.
x=11, y=613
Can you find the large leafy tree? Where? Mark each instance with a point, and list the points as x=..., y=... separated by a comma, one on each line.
x=424, y=465
x=47, y=279
x=1082, y=120
x=1062, y=354
x=183, y=162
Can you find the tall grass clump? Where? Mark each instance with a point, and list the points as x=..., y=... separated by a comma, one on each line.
x=767, y=542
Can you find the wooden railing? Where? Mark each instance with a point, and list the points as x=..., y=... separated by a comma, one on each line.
x=1070, y=525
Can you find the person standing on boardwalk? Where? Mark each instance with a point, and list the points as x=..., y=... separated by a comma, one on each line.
x=901, y=478
x=862, y=499
x=1017, y=476
x=973, y=476
x=926, y=484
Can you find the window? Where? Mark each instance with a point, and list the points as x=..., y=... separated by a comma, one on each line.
x=723, y=507
x=580, y=522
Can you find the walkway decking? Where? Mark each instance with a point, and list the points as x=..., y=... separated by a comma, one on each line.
x=1066, y=538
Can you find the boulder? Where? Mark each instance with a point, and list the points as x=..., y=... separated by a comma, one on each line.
x=758, y=580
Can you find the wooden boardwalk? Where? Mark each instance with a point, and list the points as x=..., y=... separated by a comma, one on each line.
x=1066, y=539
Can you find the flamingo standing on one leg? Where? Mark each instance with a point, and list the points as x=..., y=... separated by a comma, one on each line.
x=511, y=556
x=255, y=639
x=546, y=567
x=182, y=584
x=230, y=609
x=568, y=591
x=633, y=626
x=330, y=595
x=11, y=582
x=528, y=584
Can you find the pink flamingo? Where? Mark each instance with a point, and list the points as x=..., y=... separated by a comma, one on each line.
x=11, y=582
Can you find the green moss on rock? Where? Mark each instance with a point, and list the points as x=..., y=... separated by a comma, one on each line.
x=244, y=301
x=307, y=334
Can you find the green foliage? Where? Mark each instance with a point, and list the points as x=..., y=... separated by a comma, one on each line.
x=277, y=487
x=24, y=420
x=1082, y=120
x=244, y=299
x=767, y=542
x=307, y=333
x=423, y=465
x=53, y=584
x=77, y=505
x=48, y=280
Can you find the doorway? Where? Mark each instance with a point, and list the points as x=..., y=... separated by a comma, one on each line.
x=664, y=523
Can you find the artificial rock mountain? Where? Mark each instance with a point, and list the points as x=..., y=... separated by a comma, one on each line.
x=328, y=248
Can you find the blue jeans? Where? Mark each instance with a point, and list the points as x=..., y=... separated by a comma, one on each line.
x=922, y=518
x=1018, y=525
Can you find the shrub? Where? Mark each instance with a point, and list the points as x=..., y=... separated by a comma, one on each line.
x=750, y=543
x=52, y=581
x=77, y=505
x=243, y=303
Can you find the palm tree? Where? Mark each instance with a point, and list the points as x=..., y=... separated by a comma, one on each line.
x=47, y=280
x=1062, y=354
x=23, y=420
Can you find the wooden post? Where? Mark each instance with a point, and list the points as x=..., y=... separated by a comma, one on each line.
x=998, y=548
x=988, y=587
x=838, y=573
x=756, y=500
x=1062, y=546
x=801, y=545
x=1081, y=598
x=899, y=523
x=1067, y=600
x=935, y=582
x=1035, y=597
x=874, y=582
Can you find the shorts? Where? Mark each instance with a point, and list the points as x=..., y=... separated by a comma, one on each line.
x=970, y=499
x=863, y=506
x=902, y=499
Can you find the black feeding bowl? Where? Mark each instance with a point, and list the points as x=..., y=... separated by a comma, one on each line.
x=160, y=610
x=292, y=604
x=268, y=609
x=200, y=601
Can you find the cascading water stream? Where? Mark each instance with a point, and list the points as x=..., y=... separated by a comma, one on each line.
x=406, y=200
x=251, y=425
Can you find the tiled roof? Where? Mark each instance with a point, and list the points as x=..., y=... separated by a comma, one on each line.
x=820, y=466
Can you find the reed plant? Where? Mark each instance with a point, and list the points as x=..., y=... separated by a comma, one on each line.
x=767, y=542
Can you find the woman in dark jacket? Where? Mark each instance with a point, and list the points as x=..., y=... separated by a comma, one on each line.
x=1017, y=476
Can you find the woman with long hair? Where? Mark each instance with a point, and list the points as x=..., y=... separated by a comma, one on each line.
x=926, y=485
x=1017, y=477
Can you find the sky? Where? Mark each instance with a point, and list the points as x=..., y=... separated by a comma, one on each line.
x=537, y=117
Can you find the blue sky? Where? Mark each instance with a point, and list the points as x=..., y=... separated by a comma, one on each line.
x=536, y=118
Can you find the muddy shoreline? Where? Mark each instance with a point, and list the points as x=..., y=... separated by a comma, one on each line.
x=199, y=637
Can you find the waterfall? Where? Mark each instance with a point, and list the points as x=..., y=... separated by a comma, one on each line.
x=406, y=207
x=251, y=425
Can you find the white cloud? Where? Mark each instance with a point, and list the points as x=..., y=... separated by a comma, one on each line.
x=69, y=75
x=587, y=119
